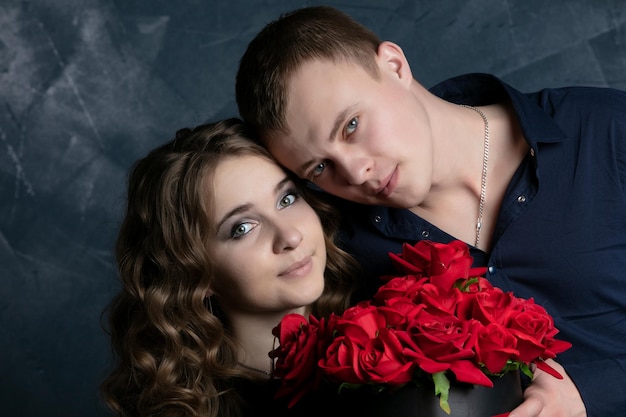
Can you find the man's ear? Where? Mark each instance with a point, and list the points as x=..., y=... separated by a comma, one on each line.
x=391, y=59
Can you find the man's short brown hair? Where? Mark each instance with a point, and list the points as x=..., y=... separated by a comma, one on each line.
x=286, y=44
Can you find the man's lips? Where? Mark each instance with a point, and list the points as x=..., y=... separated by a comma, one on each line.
x=388, y=184
x=299, y=268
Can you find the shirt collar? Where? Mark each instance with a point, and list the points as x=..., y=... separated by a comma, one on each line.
x=481, y=89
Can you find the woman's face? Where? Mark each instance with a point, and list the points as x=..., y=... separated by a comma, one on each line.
x=269, y=246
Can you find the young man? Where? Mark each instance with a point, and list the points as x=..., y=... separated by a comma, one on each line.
x=534, y=183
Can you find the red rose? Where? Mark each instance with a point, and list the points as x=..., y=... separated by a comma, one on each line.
x=447, y=339
x=489, y=306
x=531, y=326
x=363, y=318
x=439, y=300
x=442, y=338
x=495, y=345
x=408, y=286
x=297, y=355
x=443, y=263
x=399, y=311
x=339, y=362
x=365, y=350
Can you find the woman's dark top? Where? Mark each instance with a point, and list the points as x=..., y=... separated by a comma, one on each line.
x=410, y=401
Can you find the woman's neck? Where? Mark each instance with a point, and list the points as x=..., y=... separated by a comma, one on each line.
x=254, y=334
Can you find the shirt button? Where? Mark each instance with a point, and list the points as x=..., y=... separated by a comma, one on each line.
x=521, y=199
x=492, y=269
x=377, y=219
x=425, y=233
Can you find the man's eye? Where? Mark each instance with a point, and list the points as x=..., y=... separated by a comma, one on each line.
x=319, y=168
x=288, y=199
x=352, y=125
x=240, y=230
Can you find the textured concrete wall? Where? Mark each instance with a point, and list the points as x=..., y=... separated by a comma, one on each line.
x=88, y=86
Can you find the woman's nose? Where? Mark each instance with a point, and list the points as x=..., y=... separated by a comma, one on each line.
x=287, y=237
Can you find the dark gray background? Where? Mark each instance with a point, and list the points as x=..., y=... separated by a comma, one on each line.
x=88, y=86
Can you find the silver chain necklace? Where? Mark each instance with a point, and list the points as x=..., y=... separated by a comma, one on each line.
x=483, y=179
x=243, y=365
x=261, y=371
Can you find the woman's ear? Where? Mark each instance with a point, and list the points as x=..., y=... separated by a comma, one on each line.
x=391, y=60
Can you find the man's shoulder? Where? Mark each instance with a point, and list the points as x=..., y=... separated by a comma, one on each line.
x=583, y=103
x=584, y=94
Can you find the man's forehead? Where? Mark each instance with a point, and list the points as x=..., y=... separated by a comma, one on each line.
x=293, y=152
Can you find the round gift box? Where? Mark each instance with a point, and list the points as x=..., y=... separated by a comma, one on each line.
x=465, y=400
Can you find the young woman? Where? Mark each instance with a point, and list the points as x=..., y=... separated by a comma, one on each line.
x=216, y=246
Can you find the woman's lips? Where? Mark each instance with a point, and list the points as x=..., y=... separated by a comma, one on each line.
x=298, y=269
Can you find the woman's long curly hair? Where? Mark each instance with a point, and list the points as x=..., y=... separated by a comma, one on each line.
x=174, y=356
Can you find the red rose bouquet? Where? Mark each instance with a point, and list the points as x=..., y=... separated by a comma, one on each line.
x=441, y=319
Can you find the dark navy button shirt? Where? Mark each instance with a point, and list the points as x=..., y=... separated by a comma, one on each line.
x=560, y=235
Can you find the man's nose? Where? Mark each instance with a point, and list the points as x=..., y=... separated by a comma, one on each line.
x=356, y=170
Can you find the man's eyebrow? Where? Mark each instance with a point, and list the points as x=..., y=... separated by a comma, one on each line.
x=341, y=116
x=246, y=206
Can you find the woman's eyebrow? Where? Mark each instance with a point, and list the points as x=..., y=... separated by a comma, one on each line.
x=246, y=206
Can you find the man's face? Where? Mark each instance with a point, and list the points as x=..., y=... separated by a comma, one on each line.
x=357, y=137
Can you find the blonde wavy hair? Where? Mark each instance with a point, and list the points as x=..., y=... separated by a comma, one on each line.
x=174, y=357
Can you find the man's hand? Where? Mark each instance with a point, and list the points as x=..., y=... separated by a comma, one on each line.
x=548, y=396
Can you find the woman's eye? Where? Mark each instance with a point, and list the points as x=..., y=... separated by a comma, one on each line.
x=288, y=199
x=319, y=168
x=240, y=230
x=352, y=125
